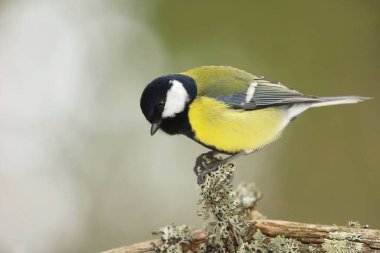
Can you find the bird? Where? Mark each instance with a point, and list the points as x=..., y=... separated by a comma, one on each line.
x=226, y=109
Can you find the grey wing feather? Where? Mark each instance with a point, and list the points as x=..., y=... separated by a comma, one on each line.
x=236, y=100
x=265, y=94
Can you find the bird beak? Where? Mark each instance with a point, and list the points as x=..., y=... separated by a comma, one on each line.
x=155, y=127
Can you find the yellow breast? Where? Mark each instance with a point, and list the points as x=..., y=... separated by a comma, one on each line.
x=232, y=130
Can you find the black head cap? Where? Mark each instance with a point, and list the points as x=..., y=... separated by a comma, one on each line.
x=154, y=96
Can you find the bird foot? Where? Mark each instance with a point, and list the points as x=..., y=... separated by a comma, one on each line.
x=203, y=161
x=202, y=175
x=205, y=164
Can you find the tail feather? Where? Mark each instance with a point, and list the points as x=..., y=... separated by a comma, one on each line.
x=297, y=108
x=325, y=101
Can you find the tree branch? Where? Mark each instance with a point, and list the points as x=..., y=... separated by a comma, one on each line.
x=238, y=227
x=308, y=234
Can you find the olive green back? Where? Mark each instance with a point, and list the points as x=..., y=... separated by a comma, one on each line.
x=216, y=81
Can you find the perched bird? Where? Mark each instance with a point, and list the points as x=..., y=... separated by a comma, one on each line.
x=226, y=109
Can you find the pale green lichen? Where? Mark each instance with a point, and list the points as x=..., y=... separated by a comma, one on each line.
x=247, y=195
x=341, y=246
x=263, y=244
x=280, y=244
x=228, y=229
x=342, y=242
x=312, y=249
x=344, y=236
x=174, y=238
x=256, y=244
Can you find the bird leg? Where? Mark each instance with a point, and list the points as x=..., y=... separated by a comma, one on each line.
x=214, y=166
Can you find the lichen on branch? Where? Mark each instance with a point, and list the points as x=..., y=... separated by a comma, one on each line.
x=228, y=228
x=234, y=225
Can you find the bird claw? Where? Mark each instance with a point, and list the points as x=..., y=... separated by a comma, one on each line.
x=202, y=174
x=208, y=162
x=202, y=160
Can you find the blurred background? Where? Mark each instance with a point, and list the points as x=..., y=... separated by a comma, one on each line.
x=79, y=171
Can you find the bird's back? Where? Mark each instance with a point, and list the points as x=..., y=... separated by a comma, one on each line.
x=219, y=80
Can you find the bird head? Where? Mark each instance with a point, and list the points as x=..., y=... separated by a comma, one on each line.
x=166, y=97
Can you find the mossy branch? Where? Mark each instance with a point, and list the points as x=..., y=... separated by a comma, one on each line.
x=238, y=227
x=312, y=237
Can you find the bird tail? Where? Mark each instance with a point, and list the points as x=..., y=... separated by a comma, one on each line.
x=297, y=108
x=325, y=101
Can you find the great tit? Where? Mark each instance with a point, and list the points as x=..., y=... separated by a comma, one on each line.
x=226, y=109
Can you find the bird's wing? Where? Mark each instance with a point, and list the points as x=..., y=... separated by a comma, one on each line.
x=242, y=90
x=261, y=93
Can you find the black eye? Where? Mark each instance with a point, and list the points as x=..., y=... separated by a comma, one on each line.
x=161, y=105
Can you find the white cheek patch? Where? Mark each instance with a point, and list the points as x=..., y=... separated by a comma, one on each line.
x=176, y=99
